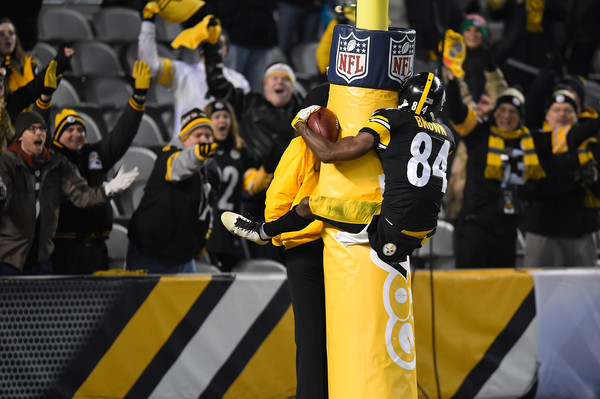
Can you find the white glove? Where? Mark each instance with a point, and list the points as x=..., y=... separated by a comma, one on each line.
x=121, y=181
x=304, y=113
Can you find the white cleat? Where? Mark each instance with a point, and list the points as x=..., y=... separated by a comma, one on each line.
x=243, y=227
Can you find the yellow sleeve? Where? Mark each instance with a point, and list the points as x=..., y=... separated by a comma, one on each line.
x=380, y=124
x=468, y=125
x=286, y=181
x=166, y=72
x=294, y=179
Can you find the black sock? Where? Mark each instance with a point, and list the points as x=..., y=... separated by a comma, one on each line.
x=291, y=221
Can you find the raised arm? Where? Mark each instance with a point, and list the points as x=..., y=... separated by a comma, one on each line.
x=184, y=164
x=218, y=85
x=114, y=145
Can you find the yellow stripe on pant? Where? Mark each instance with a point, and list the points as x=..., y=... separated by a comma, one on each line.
x=139, y=345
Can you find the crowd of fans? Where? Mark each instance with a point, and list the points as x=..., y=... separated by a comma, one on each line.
x=526, y=155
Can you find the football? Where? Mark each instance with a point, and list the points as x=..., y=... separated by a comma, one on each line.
x=324, y=122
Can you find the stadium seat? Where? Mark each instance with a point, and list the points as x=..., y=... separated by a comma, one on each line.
x=304, y=61
x=160, y=96
x=117, y=244
x=130, y=54
x=148, y=134
x=95, y=113
x=205, y=268
x=259, y=266
x=303, y=58
x=109, y=92
x=65, y=25
x=144, y=159
x=117, y=25
x=94, y=58
x=43, y=53
x=141, y=157
x=163, y=116
x=438, y=252
x=92, y=130
x=65, y=95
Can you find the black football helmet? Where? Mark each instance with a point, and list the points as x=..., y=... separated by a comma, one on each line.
x=422, y=94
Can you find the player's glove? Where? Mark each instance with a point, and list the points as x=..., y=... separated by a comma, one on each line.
x=205, y=150
x=455, y=52
x=141, y=75
x=208, y=30
x=121, y=181
x=303, y=114
x=51, y=79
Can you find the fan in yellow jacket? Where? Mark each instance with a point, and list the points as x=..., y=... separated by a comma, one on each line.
x=296, y=176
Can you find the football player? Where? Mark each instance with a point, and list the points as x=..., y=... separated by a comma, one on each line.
x=414, y=152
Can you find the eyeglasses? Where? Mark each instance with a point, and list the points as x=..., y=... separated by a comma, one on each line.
x=41, y=128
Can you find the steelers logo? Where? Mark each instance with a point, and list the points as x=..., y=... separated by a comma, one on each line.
x=389, y=249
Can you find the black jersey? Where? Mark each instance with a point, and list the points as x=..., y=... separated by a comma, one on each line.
x=232, y=164
x=414, y=157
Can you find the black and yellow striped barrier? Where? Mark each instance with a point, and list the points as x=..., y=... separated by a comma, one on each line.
x=479, y=334
x=197, y=336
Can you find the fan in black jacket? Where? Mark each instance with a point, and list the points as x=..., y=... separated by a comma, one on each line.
x=79, y=241
x=169, y=228
x=264, y=120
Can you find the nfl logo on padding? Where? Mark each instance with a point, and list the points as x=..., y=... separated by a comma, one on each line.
x=370, y=58
x=352, y=58
x=401, y=55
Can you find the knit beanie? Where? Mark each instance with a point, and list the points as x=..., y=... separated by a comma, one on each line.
x=477, y=21
x=563, y=96
x=217, y=106
x=512, y=96
x=191, y=120
x=26, y=119
x=575, y=83
x=64, y=119
x=281, y=68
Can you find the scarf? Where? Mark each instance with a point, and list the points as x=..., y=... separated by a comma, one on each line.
x=29, y=160
x=494, y=169
x=584, y=155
